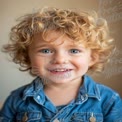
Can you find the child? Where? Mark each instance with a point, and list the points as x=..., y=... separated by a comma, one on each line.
x=60, y=47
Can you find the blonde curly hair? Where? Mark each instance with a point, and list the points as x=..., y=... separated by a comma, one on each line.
x=80, y=26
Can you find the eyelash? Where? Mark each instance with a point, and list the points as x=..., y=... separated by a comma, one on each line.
x=75, y=51
x=49, y=51
x=45, y=51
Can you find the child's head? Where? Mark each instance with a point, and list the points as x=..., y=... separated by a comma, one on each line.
x=80, y=26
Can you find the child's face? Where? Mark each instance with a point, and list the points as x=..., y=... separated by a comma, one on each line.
x=60, y=61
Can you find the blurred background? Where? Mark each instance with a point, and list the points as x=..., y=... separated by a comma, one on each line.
x=11, y=78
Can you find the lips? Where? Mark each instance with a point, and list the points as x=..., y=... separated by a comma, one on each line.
x=60, y=70
x=60, y=73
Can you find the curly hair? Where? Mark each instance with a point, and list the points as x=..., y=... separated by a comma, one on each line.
x=82, y=27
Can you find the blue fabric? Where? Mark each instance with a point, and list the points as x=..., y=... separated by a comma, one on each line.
x=95, y=102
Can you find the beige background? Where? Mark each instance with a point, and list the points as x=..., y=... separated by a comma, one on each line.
x=11, y=78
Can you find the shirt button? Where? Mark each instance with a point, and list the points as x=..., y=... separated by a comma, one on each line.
x=82, y=98
x=25, y=118
x=38, y=97
x=92, y=119
x=86, y=95
x=56, y=120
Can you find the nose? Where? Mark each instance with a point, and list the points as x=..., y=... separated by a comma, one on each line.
x=60, y=58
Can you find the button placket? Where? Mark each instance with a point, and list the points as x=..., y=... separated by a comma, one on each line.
x=92, y=118
x=56, y=120
x=25, y=117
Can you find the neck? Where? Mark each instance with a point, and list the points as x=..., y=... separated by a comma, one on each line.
x=59, y=86
x=62, y=94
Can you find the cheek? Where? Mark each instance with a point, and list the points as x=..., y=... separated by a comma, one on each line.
x=38, y=61
x=37, y=65
x=35, y=60
x=81, y=61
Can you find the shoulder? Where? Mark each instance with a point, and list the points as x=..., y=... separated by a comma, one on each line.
x=109, y=96
x=20, y=92
x=17, y=101
x=107, y=93
x=24, y=91
x=110, y=100
x=15, y=97
x=103, y=90
x=111, y=103
x=12, y=102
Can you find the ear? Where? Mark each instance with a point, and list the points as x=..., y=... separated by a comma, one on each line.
x=93, y=59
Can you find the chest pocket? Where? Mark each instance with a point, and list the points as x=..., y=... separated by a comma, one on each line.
x=86, y=117
x=28, y=117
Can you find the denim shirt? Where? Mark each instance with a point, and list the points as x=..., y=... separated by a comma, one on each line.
x=94, y=103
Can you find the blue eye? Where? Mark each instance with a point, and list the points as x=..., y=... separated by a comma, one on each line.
x=75, y=51
x=46, y=51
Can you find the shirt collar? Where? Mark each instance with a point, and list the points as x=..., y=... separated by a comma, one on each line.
x=87, y=90
x=35, y=90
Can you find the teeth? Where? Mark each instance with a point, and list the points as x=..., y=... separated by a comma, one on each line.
x=60, y=70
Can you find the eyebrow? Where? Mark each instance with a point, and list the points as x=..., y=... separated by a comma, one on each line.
x=51, y=45
x=77, y=46
x=39, y=46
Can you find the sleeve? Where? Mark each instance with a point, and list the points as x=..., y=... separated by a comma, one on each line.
x=7, y=112
x=113, y=109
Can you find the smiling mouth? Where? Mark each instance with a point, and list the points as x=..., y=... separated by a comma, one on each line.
x=60, y=73
x=60, y=70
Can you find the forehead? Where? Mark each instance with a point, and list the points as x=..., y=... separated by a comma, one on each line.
x=54, y=38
